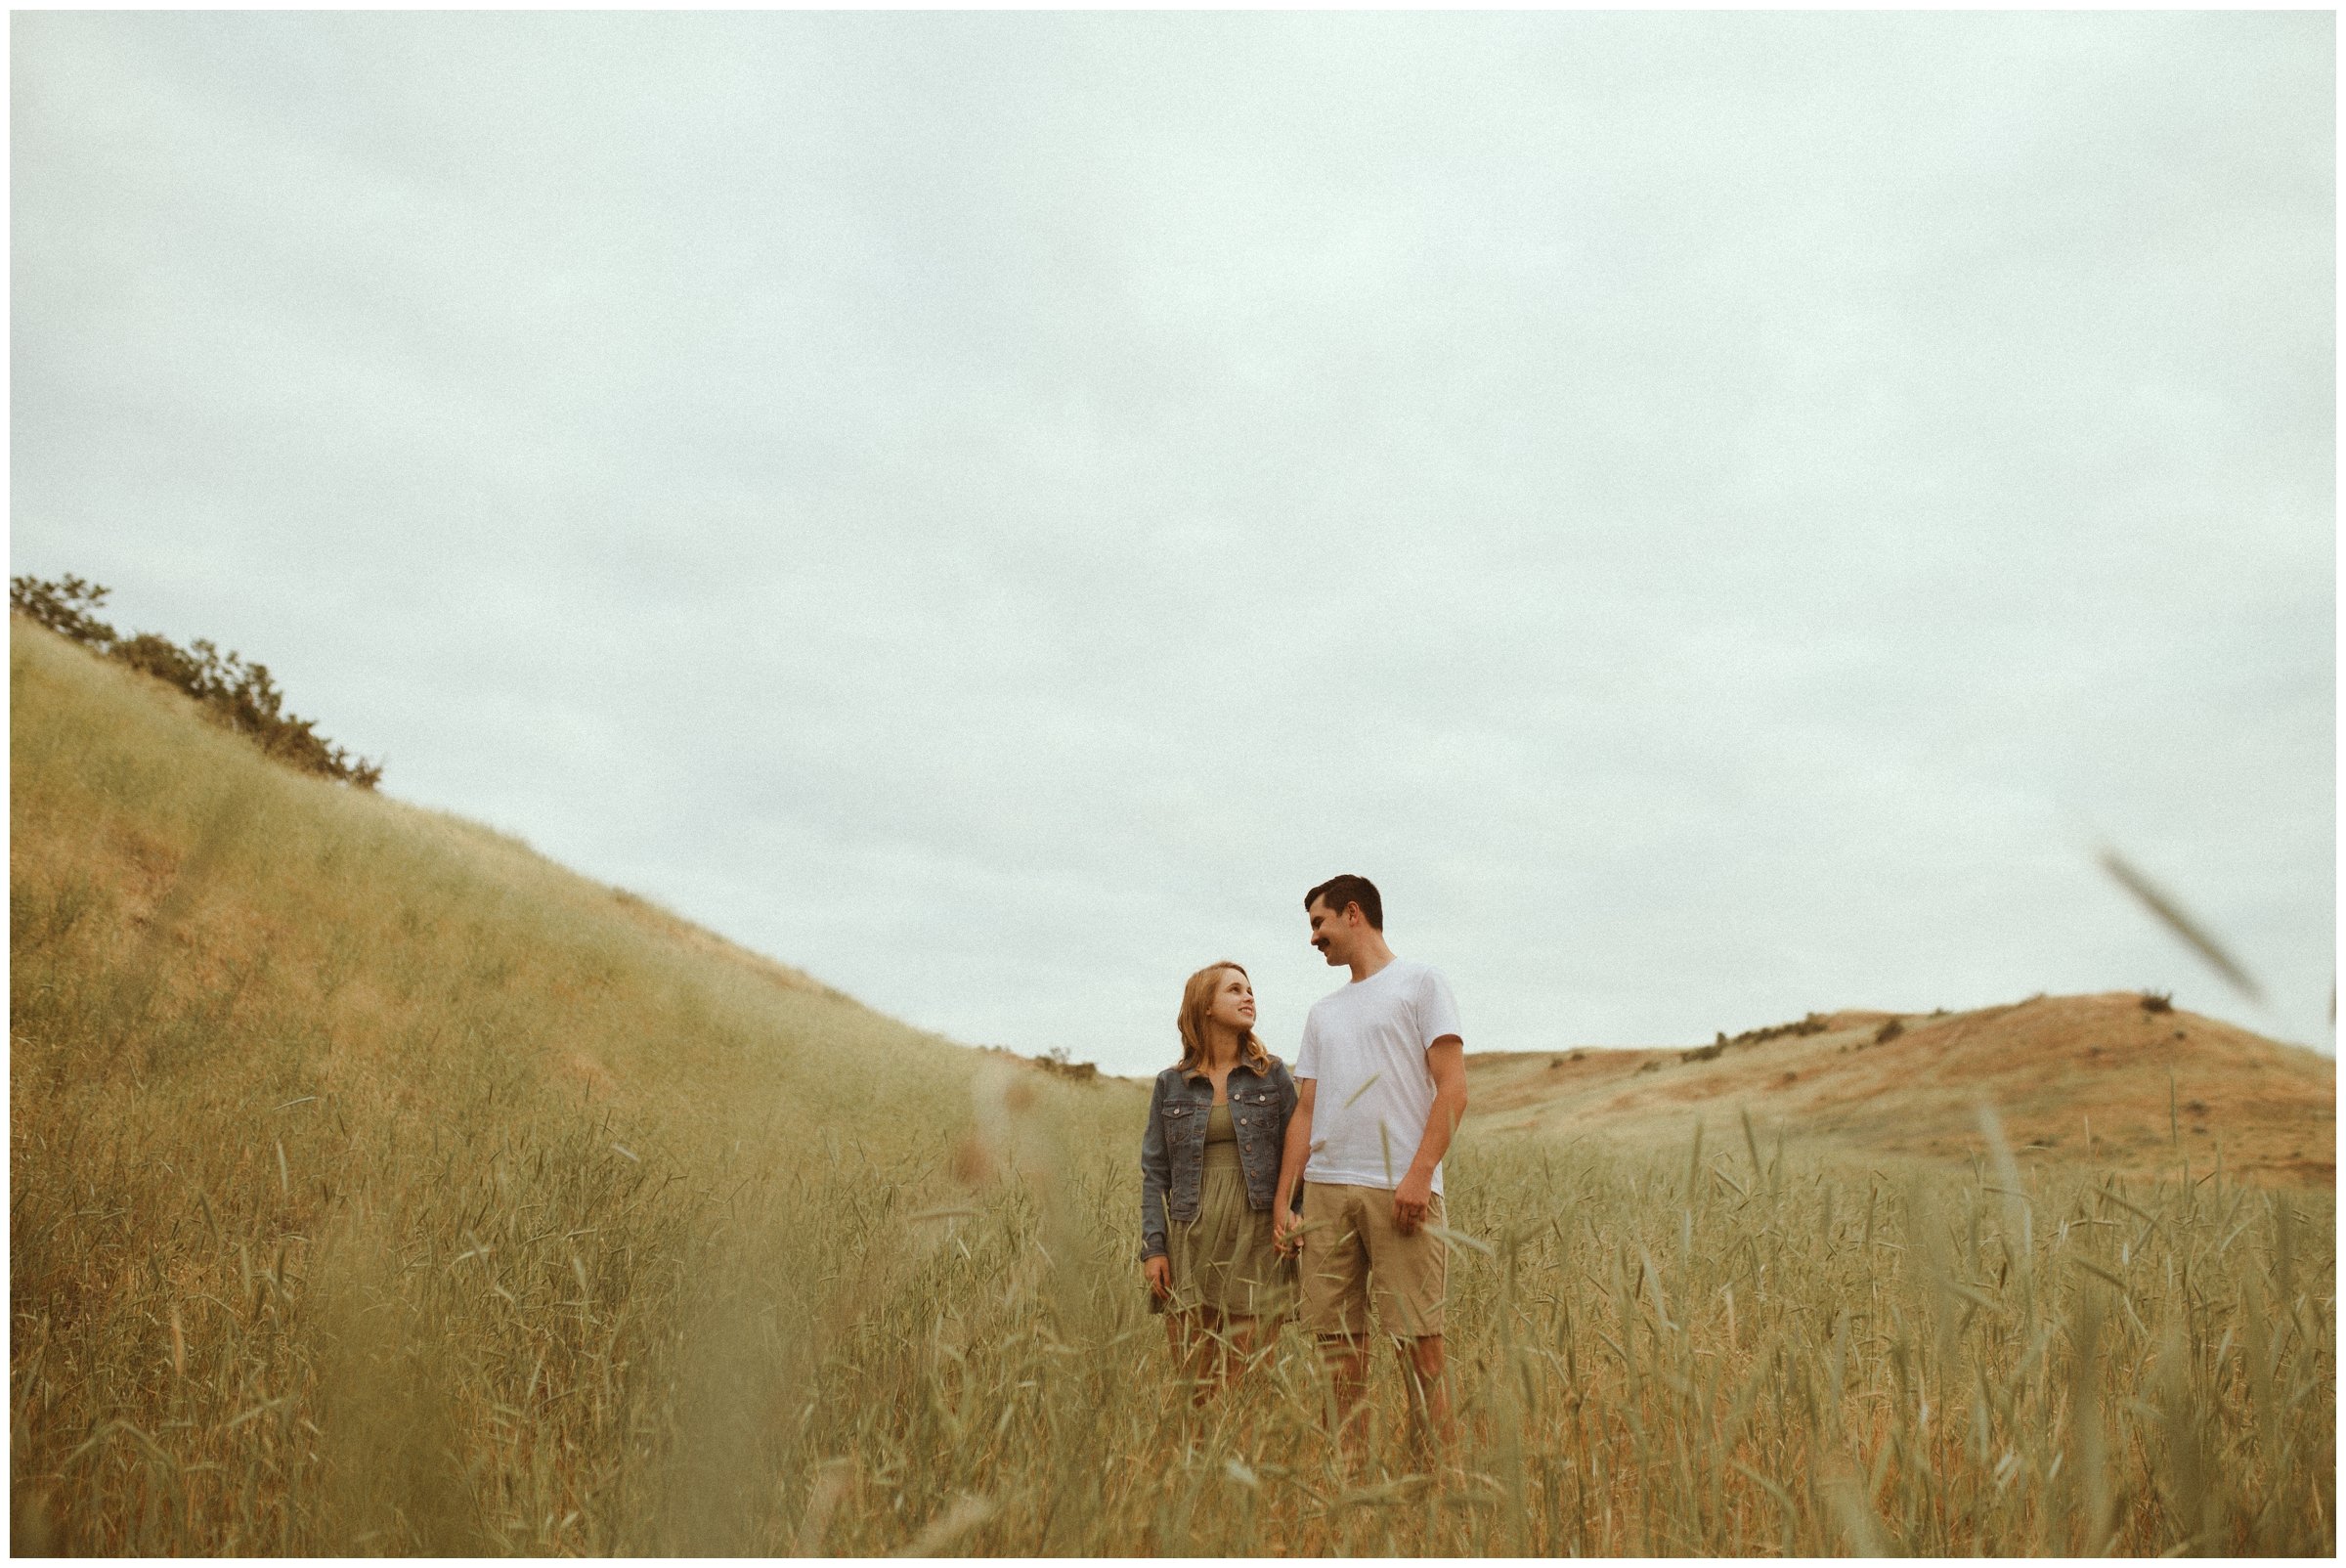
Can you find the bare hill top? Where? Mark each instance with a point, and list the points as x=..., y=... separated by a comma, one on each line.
x=2070, y=1076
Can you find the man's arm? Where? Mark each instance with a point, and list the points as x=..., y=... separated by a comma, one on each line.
x=1445, y=1064
x=1293, y=1155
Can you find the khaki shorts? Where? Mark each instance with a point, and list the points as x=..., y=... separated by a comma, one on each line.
x=1351, y=1252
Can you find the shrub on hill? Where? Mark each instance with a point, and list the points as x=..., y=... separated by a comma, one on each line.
x=1061, y=1060
x=242, y=695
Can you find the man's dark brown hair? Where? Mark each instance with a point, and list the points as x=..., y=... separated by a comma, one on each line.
x=1338, y=892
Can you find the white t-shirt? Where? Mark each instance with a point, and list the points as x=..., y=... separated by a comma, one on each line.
x=1366, y=1046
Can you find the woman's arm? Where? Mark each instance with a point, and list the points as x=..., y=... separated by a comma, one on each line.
x=1157, y=1177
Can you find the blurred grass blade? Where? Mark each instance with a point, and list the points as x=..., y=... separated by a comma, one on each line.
x=2171, y=914
x=966, y=1514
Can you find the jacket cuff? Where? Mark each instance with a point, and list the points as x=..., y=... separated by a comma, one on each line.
x=1151, y=1248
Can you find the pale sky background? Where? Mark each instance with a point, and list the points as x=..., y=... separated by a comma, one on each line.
x=1721, y=515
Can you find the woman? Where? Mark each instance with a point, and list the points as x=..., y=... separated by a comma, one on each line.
x=1209, y=1161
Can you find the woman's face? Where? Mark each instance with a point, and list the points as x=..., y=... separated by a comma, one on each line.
x=1232, y=1006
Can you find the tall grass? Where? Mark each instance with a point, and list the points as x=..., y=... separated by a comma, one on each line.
x=379, y=1187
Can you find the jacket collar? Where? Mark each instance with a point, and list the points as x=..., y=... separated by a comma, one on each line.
x=1198, y=1074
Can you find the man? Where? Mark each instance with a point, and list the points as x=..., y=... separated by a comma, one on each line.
x=1381, y=1076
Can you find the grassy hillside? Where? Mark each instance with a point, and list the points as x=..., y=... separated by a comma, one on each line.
x=312, y=1090
x=2119, y=1082
x=381, y=1187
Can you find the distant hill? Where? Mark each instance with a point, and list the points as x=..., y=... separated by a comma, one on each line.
x=2057, y=1071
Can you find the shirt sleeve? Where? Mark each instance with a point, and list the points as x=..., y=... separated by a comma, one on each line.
x=1306, y=1052
x=1437, y=1011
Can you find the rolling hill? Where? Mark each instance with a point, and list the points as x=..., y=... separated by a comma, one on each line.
x=2081, y=1078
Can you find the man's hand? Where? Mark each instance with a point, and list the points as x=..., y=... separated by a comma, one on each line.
x=1446, y=1065
x=1409, y=1200
x=1158, y=1272
x=1287, y=1231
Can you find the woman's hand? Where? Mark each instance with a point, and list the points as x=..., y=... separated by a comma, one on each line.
x=1158, y=1272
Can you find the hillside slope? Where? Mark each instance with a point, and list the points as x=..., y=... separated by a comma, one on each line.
x=2058, y=1072
x=143, y=836
x=277, y=1044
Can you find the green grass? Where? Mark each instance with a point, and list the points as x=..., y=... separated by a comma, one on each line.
x=380, y=1187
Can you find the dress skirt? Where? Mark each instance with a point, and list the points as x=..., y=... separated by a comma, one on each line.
x=1225, y=1259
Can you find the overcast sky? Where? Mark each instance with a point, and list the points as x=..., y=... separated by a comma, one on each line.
x=1719, y=516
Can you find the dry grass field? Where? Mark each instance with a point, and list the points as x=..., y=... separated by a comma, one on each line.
x=379, y=1187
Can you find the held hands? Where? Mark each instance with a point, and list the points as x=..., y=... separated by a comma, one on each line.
x=1286, y=1230
x=1158, y=1272
x=1409, y=1200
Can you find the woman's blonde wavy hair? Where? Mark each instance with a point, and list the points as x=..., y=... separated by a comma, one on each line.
x=1196, y=998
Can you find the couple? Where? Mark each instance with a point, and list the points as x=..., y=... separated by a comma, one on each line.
x=1378, y=1087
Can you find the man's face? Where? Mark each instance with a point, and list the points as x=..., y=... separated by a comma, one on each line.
x=1335, y=934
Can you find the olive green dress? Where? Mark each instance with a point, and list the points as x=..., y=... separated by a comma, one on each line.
x=1224, y=1259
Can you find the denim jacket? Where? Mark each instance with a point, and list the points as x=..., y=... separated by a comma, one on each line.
x=1173, y=1148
